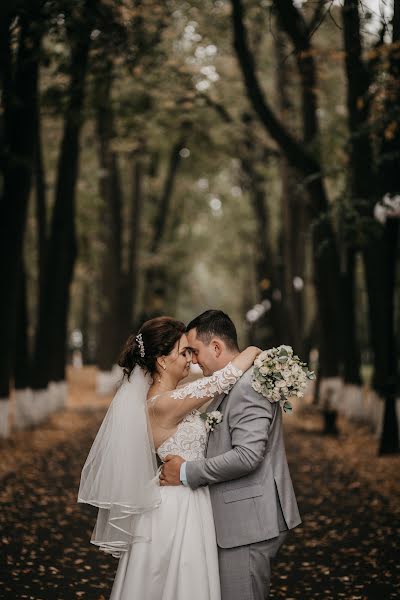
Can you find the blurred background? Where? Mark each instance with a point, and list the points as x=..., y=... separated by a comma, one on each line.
x=169, y=157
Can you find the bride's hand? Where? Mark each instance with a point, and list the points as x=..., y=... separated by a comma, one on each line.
x=245, y=359
x=254, y=350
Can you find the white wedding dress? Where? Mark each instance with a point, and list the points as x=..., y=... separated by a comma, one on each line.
x=181, y=561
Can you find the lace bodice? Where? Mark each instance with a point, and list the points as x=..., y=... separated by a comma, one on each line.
x=188, y=441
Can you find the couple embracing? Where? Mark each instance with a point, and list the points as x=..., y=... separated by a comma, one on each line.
x=206, y=524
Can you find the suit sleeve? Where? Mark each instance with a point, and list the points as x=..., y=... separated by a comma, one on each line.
x=250, y=416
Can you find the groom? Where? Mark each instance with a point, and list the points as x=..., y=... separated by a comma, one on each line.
x=251, y=490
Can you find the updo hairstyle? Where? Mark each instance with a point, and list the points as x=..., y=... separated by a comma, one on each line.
x=159, y=337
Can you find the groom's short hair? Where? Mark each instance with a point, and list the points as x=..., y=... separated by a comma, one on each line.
x=215, y=323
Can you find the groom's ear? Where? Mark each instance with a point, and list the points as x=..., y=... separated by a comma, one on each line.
x=216, y=345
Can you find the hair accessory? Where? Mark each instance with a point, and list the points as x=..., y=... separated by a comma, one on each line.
x=139, y=340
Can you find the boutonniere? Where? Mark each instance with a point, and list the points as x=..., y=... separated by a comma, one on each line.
x=212, y=419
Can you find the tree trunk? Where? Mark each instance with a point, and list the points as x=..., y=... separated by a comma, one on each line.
x=41, y=209
x=294, y=216
x=272, y=326
x=351, y=349
x=155, y=279
x=51, y=339
x=380, y=267
x=86, y=324
x=18, y=99
x=325, y=254
x=362, y=177
x=131, y=277
x=22, y=361
x=326, y=262
x=111, y=233
x=304, y=159
x=379, y=255
x=389, y=182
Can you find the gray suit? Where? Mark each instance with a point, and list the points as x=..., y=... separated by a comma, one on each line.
x=251, y=490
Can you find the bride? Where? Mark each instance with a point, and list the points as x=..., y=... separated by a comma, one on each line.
x=164, y=537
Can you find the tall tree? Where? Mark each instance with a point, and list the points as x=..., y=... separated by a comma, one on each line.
x=155, y=278
x=305, y=159
x=119, y=265
x=252, y=159
x=294, y=211
x=110, y=221
x=19, y=79
x=386, y=377
x=130, y=282
x=368, y=183
x=362, y=176
x=51, y=339
x=300, y=32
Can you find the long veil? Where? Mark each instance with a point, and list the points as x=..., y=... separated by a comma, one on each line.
x=120, y=473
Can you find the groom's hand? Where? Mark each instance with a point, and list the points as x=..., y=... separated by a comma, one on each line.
x=170, y=472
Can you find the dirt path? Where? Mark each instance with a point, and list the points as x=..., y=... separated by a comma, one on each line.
x=347, y=546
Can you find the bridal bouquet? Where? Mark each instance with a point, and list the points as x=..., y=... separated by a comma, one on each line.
x=279, y=374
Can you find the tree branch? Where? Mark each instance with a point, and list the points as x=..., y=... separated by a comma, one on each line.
x=218, y=107
x=293, y=23
x=358, y=80
x=295, y=152
x=319, y=16
x=173, y=166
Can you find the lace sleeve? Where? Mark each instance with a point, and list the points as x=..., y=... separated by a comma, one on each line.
x=221, y=382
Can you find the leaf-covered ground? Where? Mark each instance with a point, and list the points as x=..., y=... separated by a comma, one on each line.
x=347, y=546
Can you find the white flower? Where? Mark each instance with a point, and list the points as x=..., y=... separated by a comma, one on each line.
x=288, y=349
x=261, y=358
x=279, y=374
x=257, y=386
x=211, y=419
x=215, y=414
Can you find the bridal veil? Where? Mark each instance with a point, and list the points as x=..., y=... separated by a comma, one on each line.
x=120, y=473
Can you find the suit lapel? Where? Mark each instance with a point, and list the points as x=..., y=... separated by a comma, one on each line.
x=215, y=404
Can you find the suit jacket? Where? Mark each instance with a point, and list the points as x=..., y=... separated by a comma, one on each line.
x=246, y=468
